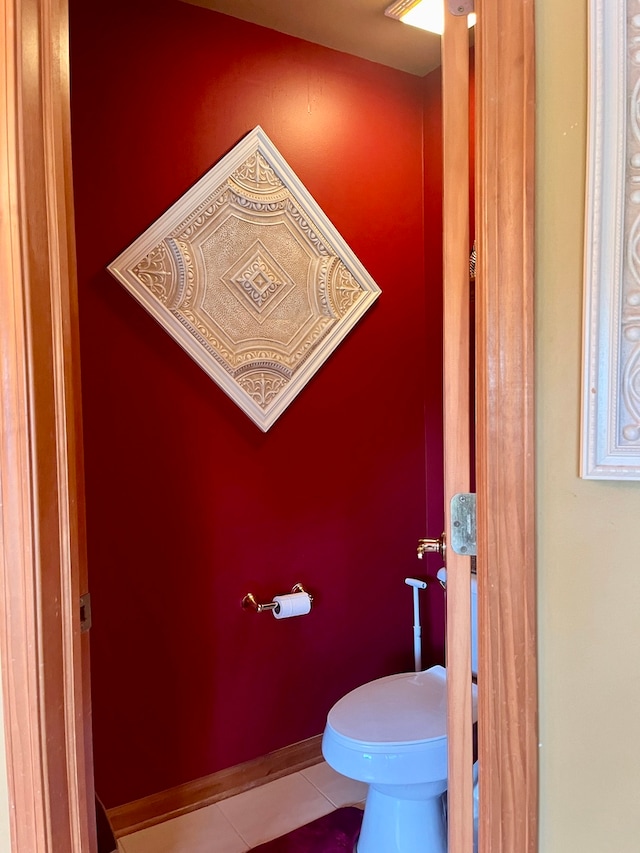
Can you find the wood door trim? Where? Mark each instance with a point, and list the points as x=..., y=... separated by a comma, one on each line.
x=507, y=679
x=42, y=511
x=457, y=431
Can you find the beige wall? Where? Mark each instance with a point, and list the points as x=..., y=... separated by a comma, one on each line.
x=588, y=532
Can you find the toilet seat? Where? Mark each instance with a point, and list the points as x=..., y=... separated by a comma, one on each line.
x=391, y=731
x=397, y=710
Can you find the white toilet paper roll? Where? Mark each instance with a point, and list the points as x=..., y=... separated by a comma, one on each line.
x=294, y=604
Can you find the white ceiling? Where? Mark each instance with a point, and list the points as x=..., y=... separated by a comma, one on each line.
x=359, y=27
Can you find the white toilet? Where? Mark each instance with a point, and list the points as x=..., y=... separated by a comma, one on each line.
x=392, y=734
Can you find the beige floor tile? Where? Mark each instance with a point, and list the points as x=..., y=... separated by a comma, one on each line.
x=274, y=809
x=203, y=831
x=340, y=790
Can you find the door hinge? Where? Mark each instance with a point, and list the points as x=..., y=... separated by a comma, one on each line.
x=463, y=524
x=85, y=612
x=461, y=7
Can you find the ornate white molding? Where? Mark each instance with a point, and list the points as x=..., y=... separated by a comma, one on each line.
x=611, y=350
x=250, y=277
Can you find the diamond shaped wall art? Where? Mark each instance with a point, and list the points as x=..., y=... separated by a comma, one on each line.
x=250, y=277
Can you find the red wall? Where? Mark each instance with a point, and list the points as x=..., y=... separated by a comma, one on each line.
x=189, y=505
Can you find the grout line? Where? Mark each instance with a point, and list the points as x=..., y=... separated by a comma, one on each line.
x=232, y=825
x=239, y=830
x=336, y=805
x=319, y=790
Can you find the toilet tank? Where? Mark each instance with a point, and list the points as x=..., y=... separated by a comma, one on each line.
x=442, y=577
x=474, y=624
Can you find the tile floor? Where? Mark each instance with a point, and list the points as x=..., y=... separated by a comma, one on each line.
x=246, y=820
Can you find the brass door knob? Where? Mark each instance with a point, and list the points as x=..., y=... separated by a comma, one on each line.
x=432, y=546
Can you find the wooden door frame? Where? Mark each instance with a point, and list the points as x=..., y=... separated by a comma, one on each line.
x=42, y=535
x=505, y=440
x=504, y=192
x=42, y=514
x=457, y=421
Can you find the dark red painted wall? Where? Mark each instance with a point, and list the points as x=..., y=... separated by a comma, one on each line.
x=189, y=505
x=433, y=601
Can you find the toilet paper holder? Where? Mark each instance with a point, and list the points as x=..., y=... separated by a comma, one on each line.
x=249, y=602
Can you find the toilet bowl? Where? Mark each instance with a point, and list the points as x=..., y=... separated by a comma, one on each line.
x=392, y=734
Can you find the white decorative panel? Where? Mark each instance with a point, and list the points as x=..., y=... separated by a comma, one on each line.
x=250, y=277
x=611, y=360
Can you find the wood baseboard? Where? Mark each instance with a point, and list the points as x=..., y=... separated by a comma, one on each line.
x=182, y=799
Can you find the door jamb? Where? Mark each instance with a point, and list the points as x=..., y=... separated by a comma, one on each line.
x=42, y=538
x=505, y=440
x=457, y=422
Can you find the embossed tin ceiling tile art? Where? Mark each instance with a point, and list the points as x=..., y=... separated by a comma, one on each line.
x=250, y=277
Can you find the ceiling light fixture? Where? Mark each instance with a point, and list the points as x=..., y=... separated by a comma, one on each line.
x=425, y=14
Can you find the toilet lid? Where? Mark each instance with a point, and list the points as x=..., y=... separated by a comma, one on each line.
x=402, y=708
